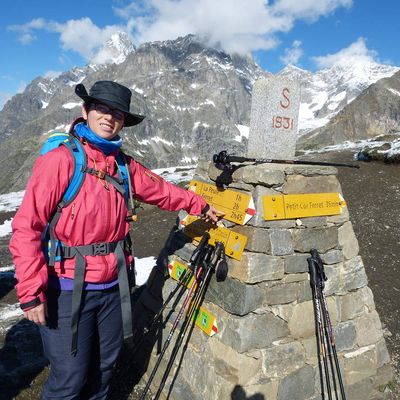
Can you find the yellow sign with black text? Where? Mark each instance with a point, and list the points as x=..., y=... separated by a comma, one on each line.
x=290, y=206
x=237, y=206
x=234, y=242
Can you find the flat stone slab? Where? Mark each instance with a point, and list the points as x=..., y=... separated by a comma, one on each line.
x=274, y=118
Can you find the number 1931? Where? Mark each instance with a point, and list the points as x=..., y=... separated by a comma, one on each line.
x=282, y=122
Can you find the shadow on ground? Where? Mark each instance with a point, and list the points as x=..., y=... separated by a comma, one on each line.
x=21, y=359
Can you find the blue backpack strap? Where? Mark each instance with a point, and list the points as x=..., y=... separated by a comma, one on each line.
x=53, y=141
x=80, y=162
x=74, y=146
x=78, y=155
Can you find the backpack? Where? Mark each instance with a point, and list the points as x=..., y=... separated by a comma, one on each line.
x=75, y=147
x=54, y=250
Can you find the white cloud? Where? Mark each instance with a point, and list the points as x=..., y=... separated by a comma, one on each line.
x=292, y=54
x=309, y=9
x=37, y=23
x=222, y=21
x=235, y=25
x=83, y=36
x=25, y=31
x=356, y=53
x=238, y=26
x=79, y=35
x=26, y=38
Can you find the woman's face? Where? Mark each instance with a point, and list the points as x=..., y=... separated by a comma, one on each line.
x=103, y=120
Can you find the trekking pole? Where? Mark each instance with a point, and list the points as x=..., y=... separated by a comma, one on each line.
x=220, y=267
x=189, y=314
x=223, y=160
x=320, y=284
x=319, y=331
x=196, y=263
x=211, y=262
x=324, y=305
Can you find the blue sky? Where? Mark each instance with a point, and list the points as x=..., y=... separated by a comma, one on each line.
x=45, y=37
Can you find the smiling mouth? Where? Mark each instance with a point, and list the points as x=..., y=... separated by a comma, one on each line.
x=107, y=126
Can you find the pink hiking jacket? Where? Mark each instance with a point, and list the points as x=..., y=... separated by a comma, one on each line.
x=96, y=215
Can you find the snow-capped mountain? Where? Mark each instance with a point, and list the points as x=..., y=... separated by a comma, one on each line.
x=328, y=91
x=196, y=100
x=374, y=112
x=115, y=50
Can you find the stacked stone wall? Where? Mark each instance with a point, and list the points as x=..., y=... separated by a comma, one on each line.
x=266, y=342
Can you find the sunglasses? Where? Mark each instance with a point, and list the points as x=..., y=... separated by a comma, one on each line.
x=103, y=109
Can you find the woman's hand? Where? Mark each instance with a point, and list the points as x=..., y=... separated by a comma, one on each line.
x=212, y=215
x=37, y=314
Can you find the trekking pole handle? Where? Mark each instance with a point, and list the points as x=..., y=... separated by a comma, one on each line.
x=319, y=265
x=216, y=255
x=199, y=249
x=224, y=158
x=313, y=272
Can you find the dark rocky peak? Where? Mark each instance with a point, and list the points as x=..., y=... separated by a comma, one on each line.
x=392, y=82
x=182, y=48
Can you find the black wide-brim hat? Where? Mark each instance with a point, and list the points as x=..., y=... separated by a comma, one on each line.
x=113, y=95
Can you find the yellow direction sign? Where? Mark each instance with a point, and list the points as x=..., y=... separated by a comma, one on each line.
x=181, y=273
x=234, y=242
x=237, y=206
x=204, y=319
x=288, y=206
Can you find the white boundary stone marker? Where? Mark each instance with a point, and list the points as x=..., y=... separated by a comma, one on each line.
x=274, y=118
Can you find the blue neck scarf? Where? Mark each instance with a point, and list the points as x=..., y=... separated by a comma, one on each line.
x=106, y=146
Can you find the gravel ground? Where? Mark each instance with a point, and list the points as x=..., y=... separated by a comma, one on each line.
x=371, y=192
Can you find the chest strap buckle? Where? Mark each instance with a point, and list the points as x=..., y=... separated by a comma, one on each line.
x=100, y=249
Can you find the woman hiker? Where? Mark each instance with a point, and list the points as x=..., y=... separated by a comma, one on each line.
x=77, y=289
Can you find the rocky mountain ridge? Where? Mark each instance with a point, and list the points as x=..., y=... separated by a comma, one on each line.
x=193, y=97
x=375, y=112
x=196, y=100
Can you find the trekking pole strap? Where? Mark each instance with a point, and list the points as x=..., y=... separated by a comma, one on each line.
x=313, y=273
x=320, y=276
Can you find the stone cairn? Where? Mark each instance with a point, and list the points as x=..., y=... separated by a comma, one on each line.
x=266, y=343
